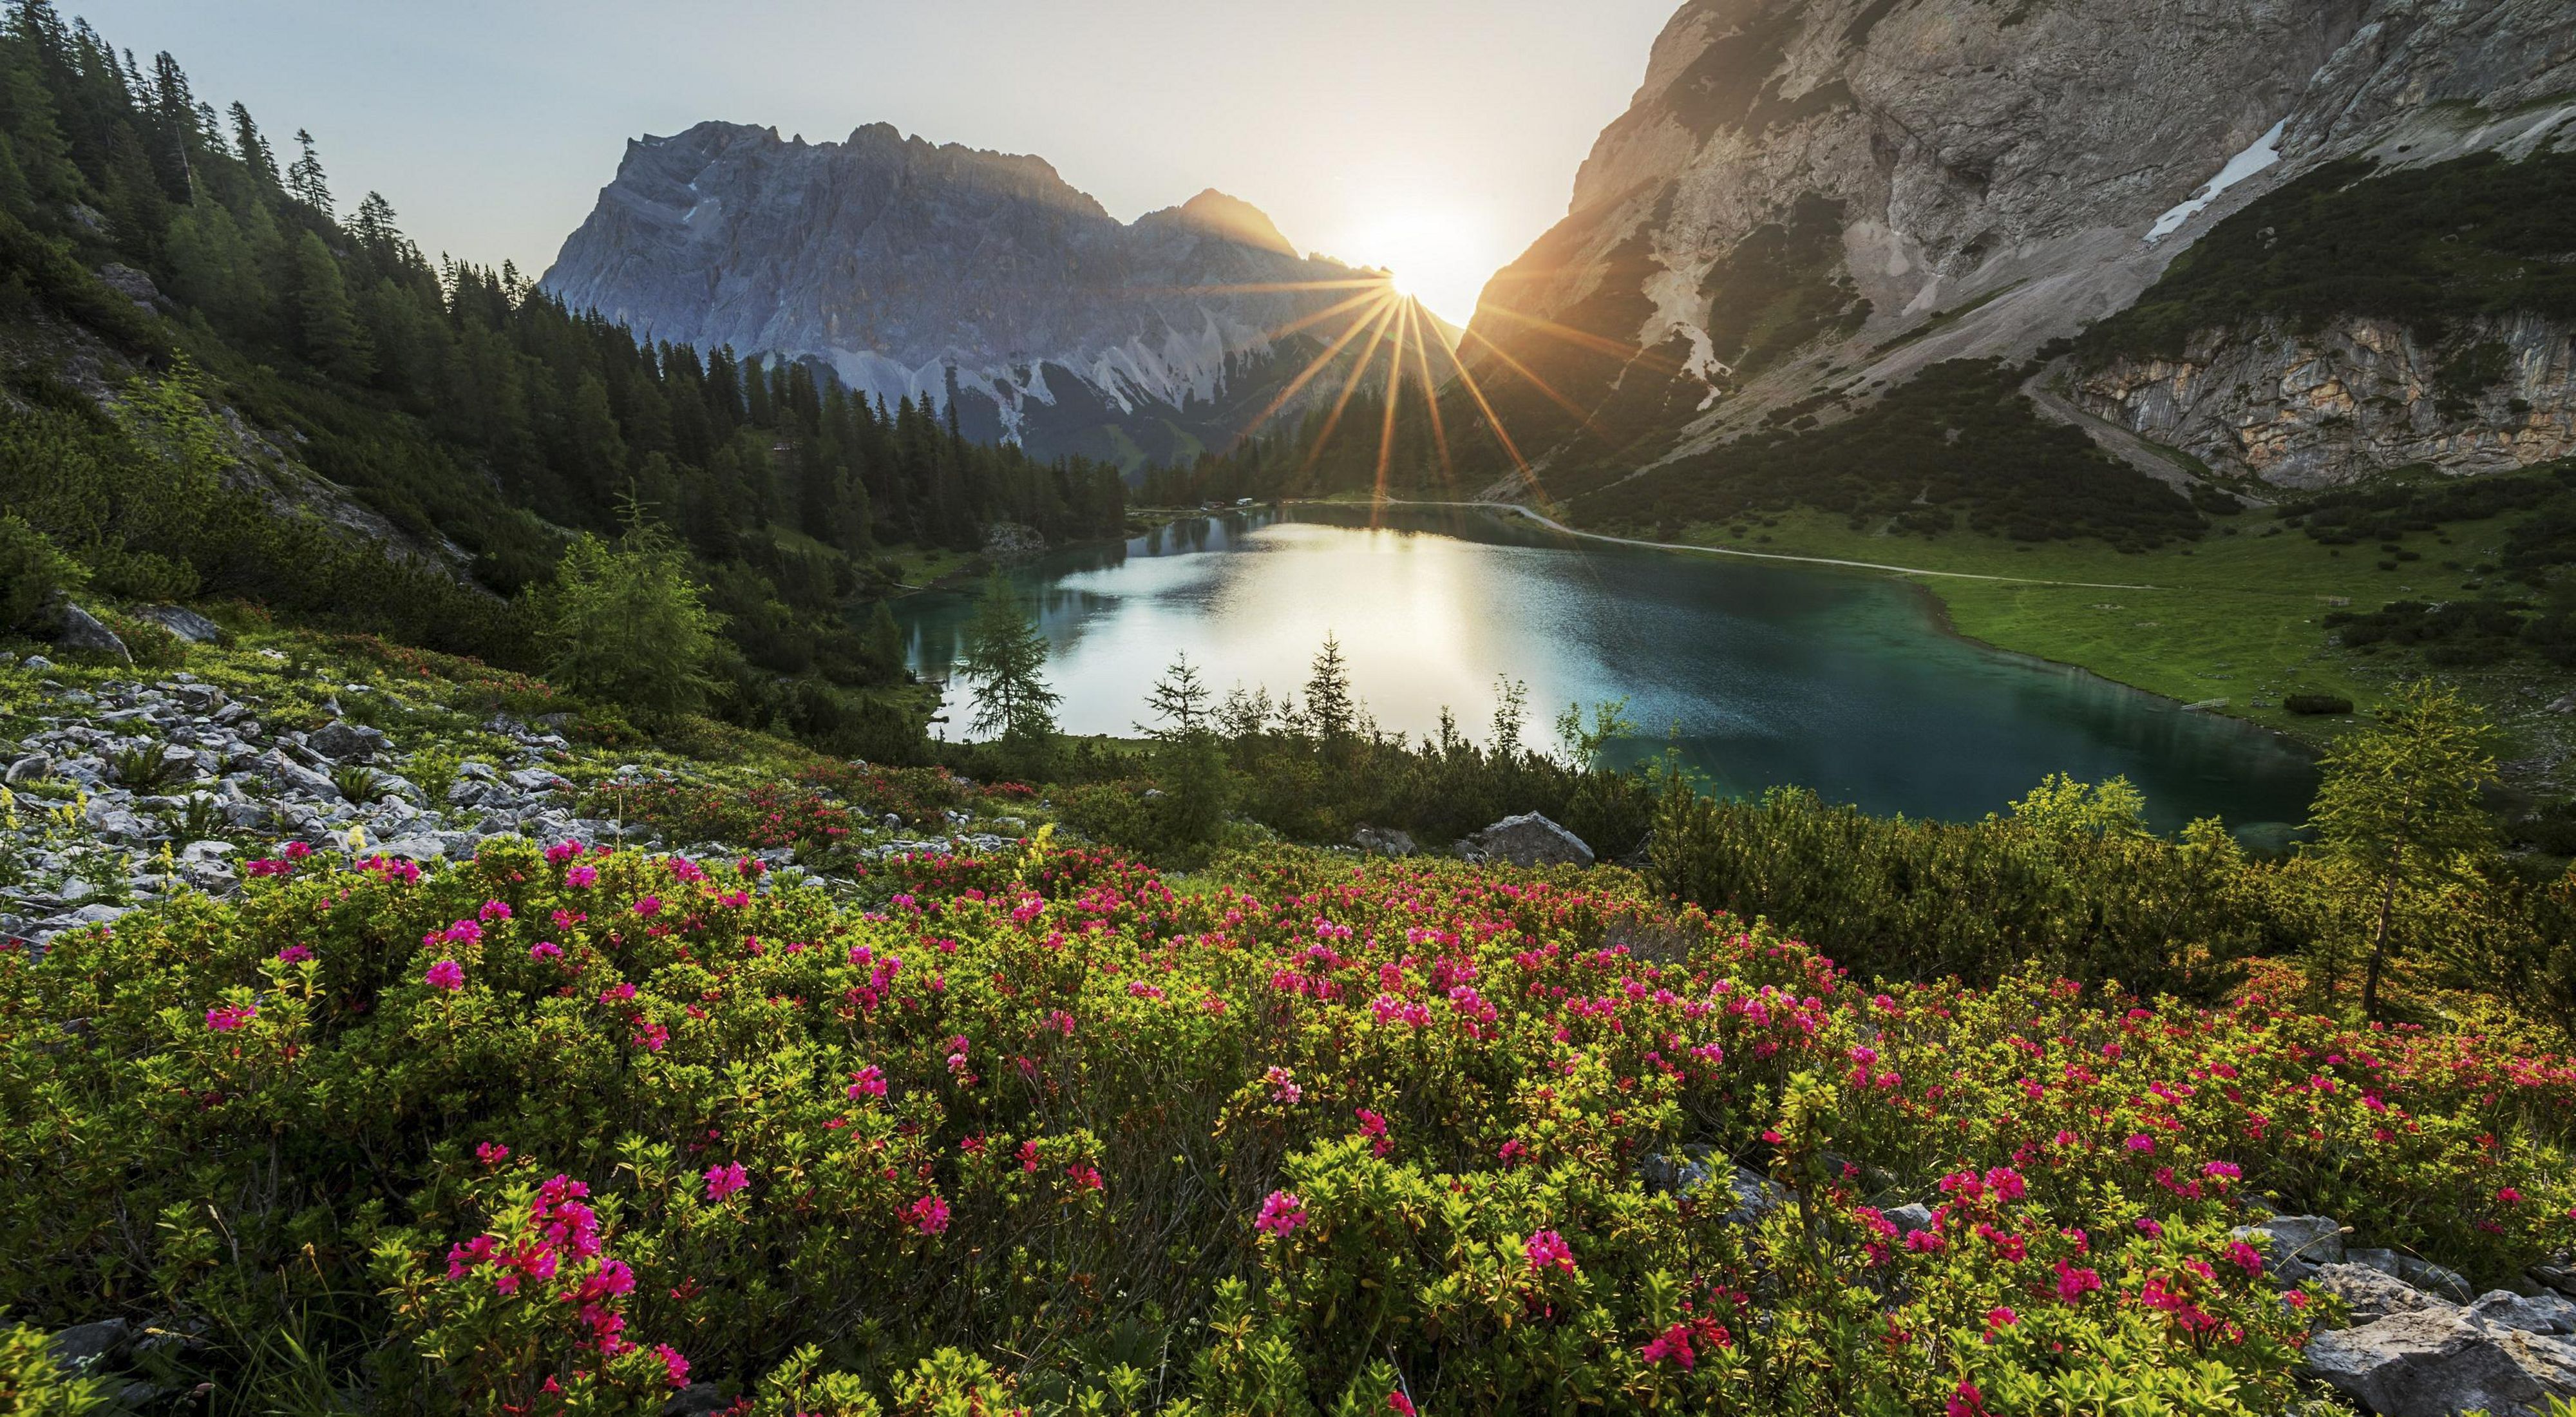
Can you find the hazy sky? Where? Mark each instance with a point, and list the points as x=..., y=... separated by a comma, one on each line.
x=1438, y=137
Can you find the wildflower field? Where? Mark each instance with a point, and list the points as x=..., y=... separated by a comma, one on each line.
x=567, y=1131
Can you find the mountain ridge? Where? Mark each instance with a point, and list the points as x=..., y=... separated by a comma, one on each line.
x=1814, y=196
x=901, y=265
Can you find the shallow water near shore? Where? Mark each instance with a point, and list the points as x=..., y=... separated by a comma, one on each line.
x=1761, y=674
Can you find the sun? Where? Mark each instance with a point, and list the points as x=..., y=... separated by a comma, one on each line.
x=1439, y=255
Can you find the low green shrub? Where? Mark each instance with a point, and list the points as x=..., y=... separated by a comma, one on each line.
x=1037, y=1131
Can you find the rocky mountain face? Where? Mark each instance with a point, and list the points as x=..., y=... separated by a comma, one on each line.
x=903, y=266
x=1811, y=200
x=2317, y=408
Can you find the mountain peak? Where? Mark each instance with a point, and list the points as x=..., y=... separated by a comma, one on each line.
x=1231, y=218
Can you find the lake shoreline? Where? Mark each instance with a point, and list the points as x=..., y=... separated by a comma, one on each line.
x=1917, y=578
x=1826, y=682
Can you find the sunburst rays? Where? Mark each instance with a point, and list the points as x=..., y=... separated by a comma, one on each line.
x=1379, y=319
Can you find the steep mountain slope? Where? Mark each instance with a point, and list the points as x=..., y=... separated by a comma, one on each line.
x=902, y=265
x=1814, y=195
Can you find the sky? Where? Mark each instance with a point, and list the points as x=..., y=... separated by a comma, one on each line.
x=1434, y=137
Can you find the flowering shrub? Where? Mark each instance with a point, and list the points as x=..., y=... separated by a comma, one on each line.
x=557, y=1131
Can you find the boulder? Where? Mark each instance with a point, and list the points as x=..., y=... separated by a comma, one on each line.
x=31, y=768
x=1528, y=840
x=1697, y=1168
x=695, y=1400
x=75, y=628
x=187, y=624
x=2296, y=1244
x=414, y=848
x=82, y=1346
x=346, y=742
x=2437, y=1362
x=2544, y=1313
x=2371, y=1294
x=1384, y=841
x=2423, y=1274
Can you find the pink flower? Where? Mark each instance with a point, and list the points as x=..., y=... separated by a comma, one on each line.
x=447, y=974
x=2141, y=1143
x=298, y=850
x=673, y=1364
x=227, y=1017
x=581, y=877
x=723, y=1181
x=494, y=910
x=869, y=1081
x=2150, y=1228
x=2508, y=1195
x=545, y=949
x=294, y=954
x=2001, y=1316
x=1399, y=1404
x=929, y=1215
x=1281, y=1214
x=649, y=906
x=1966, y=1401
x=1545, y=1249
x=1283, y=1086
x=2245, y=1257
x=491, y=1153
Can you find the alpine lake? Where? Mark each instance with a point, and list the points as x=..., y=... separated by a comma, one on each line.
x=1760, y=674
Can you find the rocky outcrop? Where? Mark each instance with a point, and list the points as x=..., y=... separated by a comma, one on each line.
x=225, y=781
x=1833, y=194
x=2361, y=395
x=77, y=629
x=902, y=265
x=1527, y=840
x=2434, y=1362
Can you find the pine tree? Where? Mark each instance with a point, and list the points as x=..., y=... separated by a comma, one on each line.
x=304, y=180
x=1005, y=655
x=624, y=621
x=1179, y=699
x=251, y=148
x=326, y=322
x=1330, y=709
x=2399, y=806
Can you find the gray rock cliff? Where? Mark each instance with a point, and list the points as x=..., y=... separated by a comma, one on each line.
x=897, y=263
x=1834, y=194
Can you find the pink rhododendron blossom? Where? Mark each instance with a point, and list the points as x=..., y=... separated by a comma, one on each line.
x=294, y=954
x=929, y=1215
x=1281, y=1214
x=446, y=974
x=724, y=1180
x=1546, y=1249
x=581, y=877
x=224, y=1018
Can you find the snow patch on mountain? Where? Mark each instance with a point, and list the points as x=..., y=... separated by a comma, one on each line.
x=2265, y=152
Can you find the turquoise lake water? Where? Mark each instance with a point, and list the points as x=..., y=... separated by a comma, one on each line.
x=1764, y=674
